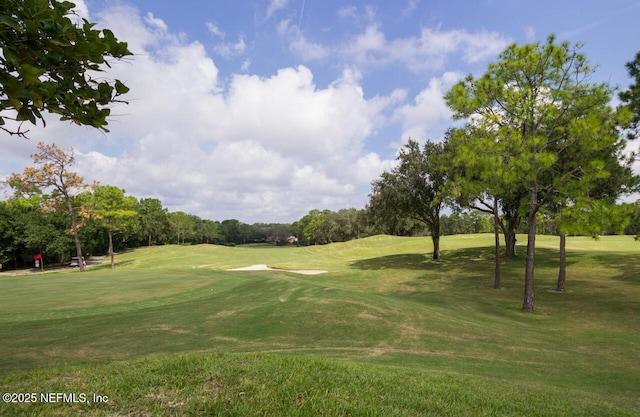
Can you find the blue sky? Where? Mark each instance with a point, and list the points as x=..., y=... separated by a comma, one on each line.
x=263, y=110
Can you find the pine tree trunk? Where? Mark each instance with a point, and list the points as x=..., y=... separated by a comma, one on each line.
x=562, y=272
x=113, y=265
x=74, y=228
x=527, y=304
x=496, y=231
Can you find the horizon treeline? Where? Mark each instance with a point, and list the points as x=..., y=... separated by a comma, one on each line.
x=30, y=226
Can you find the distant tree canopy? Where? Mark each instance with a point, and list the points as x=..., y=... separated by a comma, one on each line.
x=31, y=225
x=322, y=227
x=49, y=62
x=633, y=227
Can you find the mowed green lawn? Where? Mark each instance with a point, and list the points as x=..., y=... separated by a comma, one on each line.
x=386, y=331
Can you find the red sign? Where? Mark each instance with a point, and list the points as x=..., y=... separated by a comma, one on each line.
x=38, y=256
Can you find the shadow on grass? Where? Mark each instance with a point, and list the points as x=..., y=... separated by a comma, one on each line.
x=470, y=268
x=456, y=267
x=415, y=261
x=627, y=266
x=106, y=264
x=464, y=260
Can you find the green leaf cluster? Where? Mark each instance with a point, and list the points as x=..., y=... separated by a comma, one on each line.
x=631, y=97
x=48, y=62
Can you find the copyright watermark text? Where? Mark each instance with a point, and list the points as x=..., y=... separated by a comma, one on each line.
x=53, y=397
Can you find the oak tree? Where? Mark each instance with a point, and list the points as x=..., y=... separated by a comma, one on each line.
x=414, y=188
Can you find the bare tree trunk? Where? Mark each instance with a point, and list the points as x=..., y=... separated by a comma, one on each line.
x=113, y=264
x=527, y=304
x=436, y=246
x=512, y=225
x=74, y=228
x=510, y=242
x=562, y=272
x=509, y=230
x=149, y=239
x=434, y=228
x=496, y=232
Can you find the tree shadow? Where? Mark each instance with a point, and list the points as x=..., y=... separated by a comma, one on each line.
x=414, y=261
x=466, y=259
x=627, y=266
x=106, y=264
x=468, y=266
x=468, y=273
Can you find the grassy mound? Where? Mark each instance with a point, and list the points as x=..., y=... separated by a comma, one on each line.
x=282, y=385
x=386, y=331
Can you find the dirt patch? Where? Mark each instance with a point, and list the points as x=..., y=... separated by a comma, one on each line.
x=225, y=313
x=368, y=316
x=167, y=328
x=166, y=400
x=262, y=267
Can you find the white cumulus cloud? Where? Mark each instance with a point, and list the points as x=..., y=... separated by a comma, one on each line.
x=257, y=148
x=427, y=116
x=430, y=50
x=299, y=44
x=276, y=5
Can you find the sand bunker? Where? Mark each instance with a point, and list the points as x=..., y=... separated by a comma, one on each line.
x=263, y=267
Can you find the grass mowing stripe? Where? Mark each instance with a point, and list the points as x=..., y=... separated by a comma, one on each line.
x=122, y=300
